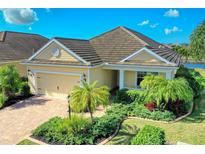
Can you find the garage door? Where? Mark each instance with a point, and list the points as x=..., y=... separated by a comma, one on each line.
x=56, y=85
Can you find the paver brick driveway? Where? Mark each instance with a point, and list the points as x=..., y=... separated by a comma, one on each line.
x=18, y=120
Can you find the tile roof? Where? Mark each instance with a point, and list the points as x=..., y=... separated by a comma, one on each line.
x=18, y=46
x=115, y=45
x=82, y=48
x=119, y=43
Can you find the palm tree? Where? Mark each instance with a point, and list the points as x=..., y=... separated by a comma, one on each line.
x=165, y=91
x=88, y=96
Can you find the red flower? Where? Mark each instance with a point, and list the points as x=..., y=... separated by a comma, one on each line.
x=150, y=106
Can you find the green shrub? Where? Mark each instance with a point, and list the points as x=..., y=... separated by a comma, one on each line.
x=122, y=97
x=142, y=112
x=65, y=131
x=3, y=99
x=108, y=124
x=119, y=110
x=9, y=80
x=24, y=89
x=194, y=78
x=136, y=96
x=162, y=115
x=125, y=96
x=149, y=135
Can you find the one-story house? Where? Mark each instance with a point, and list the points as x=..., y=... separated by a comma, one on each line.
x=118, y=58
x=17, y=46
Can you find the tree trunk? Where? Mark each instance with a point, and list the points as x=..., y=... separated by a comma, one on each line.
x=69, y=110
x=91, y=115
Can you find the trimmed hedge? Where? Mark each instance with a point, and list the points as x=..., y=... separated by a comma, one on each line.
x=149, y=135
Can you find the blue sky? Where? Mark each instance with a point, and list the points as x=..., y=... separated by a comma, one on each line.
x=163, y=25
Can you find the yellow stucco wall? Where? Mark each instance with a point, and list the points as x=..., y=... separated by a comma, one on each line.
x=63, y=56
x=144, y=56
x=104, y=77
x=130, y=79
x=21, y=68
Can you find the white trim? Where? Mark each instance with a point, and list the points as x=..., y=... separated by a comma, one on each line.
x=61, y=65
x=150, y=52
x=61, y=45
x=53, y=72
x=88, y=76
x=121, y=78
x=136, y=67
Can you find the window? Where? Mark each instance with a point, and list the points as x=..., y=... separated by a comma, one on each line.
x=141, y=75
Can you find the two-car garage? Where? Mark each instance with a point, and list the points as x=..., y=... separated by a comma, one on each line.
x=54, y=82
x=56, y=85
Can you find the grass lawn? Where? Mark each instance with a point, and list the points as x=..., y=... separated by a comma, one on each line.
x=27, y=142
x=201, y=71
x=190, y=130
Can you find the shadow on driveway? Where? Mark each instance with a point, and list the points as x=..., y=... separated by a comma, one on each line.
x=30, y=102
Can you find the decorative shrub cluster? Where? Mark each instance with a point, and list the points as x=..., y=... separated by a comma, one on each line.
x=149, y=135
x=65, y=131
x=78, y=130
x=143, y=112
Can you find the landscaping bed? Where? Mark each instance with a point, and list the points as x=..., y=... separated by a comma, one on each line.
x=80, y=130
x=189, y=130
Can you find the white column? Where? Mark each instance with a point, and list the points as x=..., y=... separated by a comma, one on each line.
x=121, y=79
x=169, y=75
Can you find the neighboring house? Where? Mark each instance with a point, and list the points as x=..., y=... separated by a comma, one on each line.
x=16, y=46
x=118, y=58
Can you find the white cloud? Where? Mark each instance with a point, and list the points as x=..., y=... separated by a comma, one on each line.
x=19, y=16
x=29, y=28
x=143, y=23
x=154, y=25
x=171, y=13
x=171, y=30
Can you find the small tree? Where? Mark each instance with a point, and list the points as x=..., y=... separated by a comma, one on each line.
x=164, y=91
x=88, y=96
x=197, y=42
x=9, y=80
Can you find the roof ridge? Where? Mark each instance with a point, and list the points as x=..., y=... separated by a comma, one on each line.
x=104, y=33
x=133, y=35
x=64, y=38
x=6, y=31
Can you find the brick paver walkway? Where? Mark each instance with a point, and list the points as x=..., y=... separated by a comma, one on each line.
x=18, y=120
